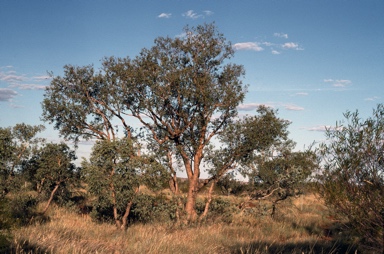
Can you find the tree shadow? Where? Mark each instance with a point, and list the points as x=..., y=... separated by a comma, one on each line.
x=24, y=247
x=303, y=247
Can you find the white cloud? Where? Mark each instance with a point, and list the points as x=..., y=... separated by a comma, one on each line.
x=7, y=94
x=290, y=45
x=191, y=14
x=323, y=128
x=11, y=77
x=338, y=82
x=275, y=52
x=252, y=106
x=41, y=78
x=247, y=46
x=248, y=106
x=281, y=35
x=267, y=44
x=301, y=94
x=29, y=86
x=374, y=98
x=320, y=128
x=165, y=15
x=293, y=107
x=208, y=13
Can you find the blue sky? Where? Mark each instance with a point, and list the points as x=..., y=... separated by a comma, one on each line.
x=311, y=60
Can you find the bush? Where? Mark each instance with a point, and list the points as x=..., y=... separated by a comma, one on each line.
x=352, y=180
x=147, y=208
x=22, y=209
x=220, y=210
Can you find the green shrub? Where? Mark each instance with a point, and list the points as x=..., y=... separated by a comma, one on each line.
x=147, y=208
x=352, y=180
x=22, y=208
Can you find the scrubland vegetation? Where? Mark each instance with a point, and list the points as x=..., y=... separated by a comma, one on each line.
x=302, y=225
x=127, y=197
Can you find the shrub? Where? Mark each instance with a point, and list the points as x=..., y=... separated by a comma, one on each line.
x=352, y=180
x=147, y=208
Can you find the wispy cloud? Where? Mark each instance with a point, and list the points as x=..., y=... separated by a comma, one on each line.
x=41, y=77
x=248, y=106
x=293, y=107
x=7, y=94
x=165, y=15
x=374, y=98
x=247, y=46
x=301, y=94
x=291, y=45
x=23, y=82
x=208, y=13
x=323, y=128
x=338, y=82
x=29, y=86
x=11, y=77
x=276, y=48
x=254, y=106
x=281, y=35
x=192, y=15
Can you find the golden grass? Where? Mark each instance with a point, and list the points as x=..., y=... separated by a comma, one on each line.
x=297, y=231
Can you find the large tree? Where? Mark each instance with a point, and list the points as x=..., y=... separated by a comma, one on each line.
x=186, y=93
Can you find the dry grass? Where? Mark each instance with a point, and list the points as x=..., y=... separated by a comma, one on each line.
x=298, y=230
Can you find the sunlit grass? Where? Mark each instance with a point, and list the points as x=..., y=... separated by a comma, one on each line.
x=298, y=229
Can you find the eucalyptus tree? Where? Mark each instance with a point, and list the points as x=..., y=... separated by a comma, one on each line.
x=55, y=169
x=85, y=104
x=88, y=104
x=185, y=93
x=258, y=147
x=114, y=176
x=17, y=145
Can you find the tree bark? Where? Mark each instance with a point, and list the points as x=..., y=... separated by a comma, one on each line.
x=124, y=220
x=208, y=202
x=51, y=197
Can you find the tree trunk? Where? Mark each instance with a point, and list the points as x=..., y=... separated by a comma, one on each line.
x=124, y=220
x=51, y=197
x=208, y=202
x=190, y=208
x=114, y=206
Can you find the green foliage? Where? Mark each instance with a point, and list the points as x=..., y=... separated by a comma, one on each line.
x=228, y=184
x=114, y=175
x=149, y=208
x=221, y=210
x=352, y=179
x=17, y=145
x=21, y=209
x=55, y=167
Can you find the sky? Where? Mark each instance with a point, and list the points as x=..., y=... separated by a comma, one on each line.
x=311, y=60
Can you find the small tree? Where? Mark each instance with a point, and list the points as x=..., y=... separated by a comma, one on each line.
x=114, y=176
x=55, y=169
x=17, y=145
x=259, y=148
x=279, y=173
x=352, y=179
